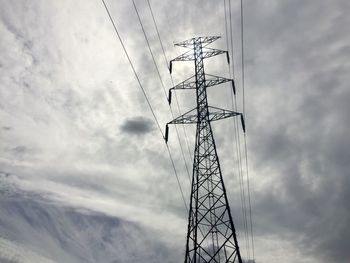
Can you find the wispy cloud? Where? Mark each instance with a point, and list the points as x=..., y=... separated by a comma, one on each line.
x=69, y=106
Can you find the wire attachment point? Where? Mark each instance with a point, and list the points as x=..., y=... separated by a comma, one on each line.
x=243, y=123
x=233, y=87
x=171, y=66
x=169, y=96
x=166, y=133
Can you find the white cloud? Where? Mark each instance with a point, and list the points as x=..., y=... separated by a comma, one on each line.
x=67, y=89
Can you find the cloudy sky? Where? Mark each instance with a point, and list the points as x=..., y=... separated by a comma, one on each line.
x=77, y=134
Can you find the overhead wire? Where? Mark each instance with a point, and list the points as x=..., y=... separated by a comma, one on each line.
x=171, y=77
x=245, y=137
x=159, y=38
x=207, y=228
x=161, y=81
x=153, y=113
x=172, y=81
x=237, y=134
x=147, y=99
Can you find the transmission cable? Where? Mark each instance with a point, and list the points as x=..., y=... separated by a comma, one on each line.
x=162, y=83
x=239, y=143
x=148, y=102
x=177, y=101
x=245, y=139
x=178, y=106
x=237, y=137
x=171, y=77
x=159, y=38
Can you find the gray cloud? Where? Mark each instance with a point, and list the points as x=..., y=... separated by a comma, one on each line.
x=63, y=97
x=6, y=260
x=54, y=232
x=137, y=125
x=298, y=142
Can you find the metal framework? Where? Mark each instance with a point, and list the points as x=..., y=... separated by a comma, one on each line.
x=211, y=235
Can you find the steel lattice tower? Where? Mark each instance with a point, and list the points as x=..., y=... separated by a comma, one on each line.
x=211, y=235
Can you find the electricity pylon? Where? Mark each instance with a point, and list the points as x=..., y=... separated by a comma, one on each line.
x=211, y=235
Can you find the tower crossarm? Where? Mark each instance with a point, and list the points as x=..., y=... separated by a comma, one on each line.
x=218, y=114
x=204, y=40
x=210, y=80
x=206, y=53
x=211, y=52
x=189, y=117
x=186, y=84
x=215, y=114
x=187, y=56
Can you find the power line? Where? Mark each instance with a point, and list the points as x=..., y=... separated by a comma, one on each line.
x=245, y=139
x=149, y=47
x=145, y=95
x=237, y=136
x=155, y=64
x=160, y=40
x=171, y=78
x=133, y=69
x=161, y=81
x=172, y=81
x=226, y=30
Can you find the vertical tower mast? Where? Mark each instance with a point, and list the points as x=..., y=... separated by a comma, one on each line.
x=211, y=235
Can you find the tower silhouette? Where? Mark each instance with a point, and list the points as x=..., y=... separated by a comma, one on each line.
x=211, y=235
